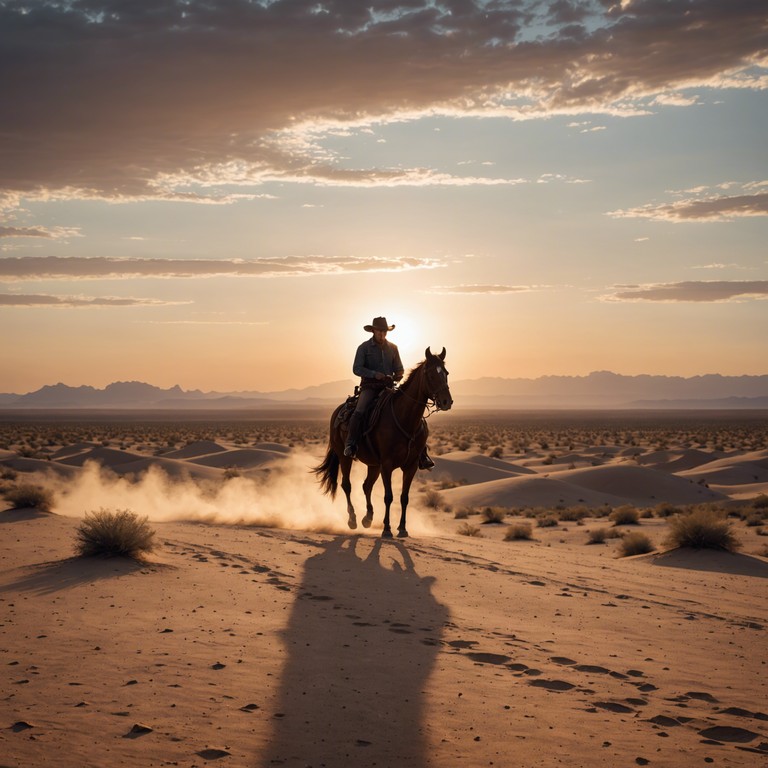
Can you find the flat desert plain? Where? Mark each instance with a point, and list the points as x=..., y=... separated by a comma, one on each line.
x=261, y=632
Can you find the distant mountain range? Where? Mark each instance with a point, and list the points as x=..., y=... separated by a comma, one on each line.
x=600, y=389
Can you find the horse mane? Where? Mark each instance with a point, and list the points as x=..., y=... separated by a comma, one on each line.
x=413, y=374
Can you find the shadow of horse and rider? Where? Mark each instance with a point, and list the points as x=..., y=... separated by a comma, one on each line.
x=393, y=439
x=361, y=645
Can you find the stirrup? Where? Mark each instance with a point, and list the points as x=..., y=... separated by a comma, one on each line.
x=425, y=462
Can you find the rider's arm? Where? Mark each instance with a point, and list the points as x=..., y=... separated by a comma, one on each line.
x=358, y=367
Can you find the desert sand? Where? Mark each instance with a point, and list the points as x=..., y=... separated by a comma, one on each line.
x=262, y=633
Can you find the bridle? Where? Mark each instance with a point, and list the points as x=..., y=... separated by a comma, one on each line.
x=433, y=392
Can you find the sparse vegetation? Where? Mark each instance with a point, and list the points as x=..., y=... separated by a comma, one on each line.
x=467, y=529
x=547, y=521
x=114, y=534
x=635, y=543
x=625, y=515
x=702, y=529
x=28, y=495
x=597, y=536
x=518, y=531
x=493, y=515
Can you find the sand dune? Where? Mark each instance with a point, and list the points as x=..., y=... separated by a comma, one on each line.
x=197, y=448
x=244, y=458
x=591, y=487
x=108, y=457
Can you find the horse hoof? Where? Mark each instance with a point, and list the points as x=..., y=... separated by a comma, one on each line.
x=386, y=534
x=402, y=534
x=352, y=522
x=367, y=520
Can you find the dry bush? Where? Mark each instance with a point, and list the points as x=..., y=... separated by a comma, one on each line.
x=665, y=509
x=573, y=514
x=461, y=514
x=114, y=534
x=467, y=529
x=547, y=521
x=433, y=499
x=597, y=536
x=702, y=529
x=760, y=502
x=754, y=520
x=497, y=452
x=28, y=495
x=518, y=531
x=625, y=515
x=493, y=515
x=635, y=543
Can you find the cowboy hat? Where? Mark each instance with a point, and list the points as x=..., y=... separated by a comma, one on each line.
x=378, y=324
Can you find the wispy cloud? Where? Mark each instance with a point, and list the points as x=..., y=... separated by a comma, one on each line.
x=47, y=233
x=138, y=76
x=704, y=207
x=26, y=268
x=692, y=291
x=19, y=300
x=480, y=288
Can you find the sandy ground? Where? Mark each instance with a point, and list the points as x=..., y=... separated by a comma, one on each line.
x=308, y=645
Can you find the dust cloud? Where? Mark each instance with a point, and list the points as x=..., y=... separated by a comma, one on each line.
x=287, y=497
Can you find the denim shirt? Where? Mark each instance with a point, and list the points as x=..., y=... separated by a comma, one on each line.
x=372, y=358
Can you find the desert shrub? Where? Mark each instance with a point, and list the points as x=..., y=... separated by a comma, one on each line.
x=597, y=536
x=547, y=521
x=231, y=472
x=467, y=529
x=604, y=511
x=665, y=509
x=6, y=473
x=754, y=520
x=120, y=533
x=497, y=452
x=574, y=514
x=646, y=513
x=493, y=515
x=518, y=531
x=461, y=514
x=625, y=515
x=760, y=502
x=28, y=495
x=433, y=499
x=635, y=543
x=702, y=529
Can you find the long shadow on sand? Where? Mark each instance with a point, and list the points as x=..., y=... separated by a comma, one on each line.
x=47, y=578
x=362, y=640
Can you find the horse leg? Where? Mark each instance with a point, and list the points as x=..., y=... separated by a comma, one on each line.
x=408, y=474
x=386, y=476
x=370, y=481
x=345, y=463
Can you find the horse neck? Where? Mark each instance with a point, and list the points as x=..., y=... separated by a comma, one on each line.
x=410, y=406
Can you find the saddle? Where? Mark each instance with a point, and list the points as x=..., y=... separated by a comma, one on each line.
x=371, y=416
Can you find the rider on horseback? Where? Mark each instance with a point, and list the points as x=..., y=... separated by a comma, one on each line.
x=377, y=362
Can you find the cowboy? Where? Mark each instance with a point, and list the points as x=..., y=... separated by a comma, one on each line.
x=377, y=362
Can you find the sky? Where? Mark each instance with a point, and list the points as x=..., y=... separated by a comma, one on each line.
x=221, y=195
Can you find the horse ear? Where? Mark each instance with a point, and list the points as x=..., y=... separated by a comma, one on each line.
x=442, y=354
x=427, y=353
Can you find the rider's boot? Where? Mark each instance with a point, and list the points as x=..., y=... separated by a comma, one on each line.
x=425, y=462
x=355, y=424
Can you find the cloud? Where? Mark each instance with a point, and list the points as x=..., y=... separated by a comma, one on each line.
x=479, y=288
x=25, y=268
x=172, y=101
x=692, y=291
x=48, y=233
x=45, y=300
x=706, y=209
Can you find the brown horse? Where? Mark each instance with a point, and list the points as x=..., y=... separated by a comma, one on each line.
x=396, y=440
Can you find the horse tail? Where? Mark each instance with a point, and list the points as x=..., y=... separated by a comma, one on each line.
x=328, y=472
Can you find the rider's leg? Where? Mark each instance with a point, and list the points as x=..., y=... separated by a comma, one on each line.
x=356, y=421
x=425, y=460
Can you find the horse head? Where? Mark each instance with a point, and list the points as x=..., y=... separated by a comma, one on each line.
x=437, y=380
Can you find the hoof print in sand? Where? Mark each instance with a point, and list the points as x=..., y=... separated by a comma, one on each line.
x=213, y=754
